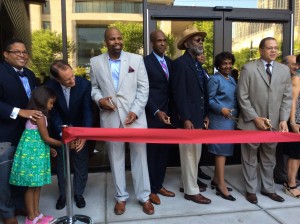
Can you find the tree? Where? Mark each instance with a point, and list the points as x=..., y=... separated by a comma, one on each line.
x=132, y=33
x=46, y=47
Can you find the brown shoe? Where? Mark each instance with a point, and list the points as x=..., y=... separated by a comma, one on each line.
x=251, y=198
x=197, y=198
x=148, y=208
x=120, y=207
x=273, y=196
x=154, y=199
x=163, y=191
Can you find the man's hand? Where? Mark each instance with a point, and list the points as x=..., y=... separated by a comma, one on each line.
x=260, y=123
x=107, y=103
x=206, y=123
x=77, y=144
x=283, y=126
x=30, y=114
x=188, y=124
x=163, y=117
x=131, y=117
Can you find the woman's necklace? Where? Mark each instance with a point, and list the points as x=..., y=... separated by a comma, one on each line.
x=226, y=77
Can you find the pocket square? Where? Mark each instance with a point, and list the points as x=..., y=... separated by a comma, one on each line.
x=130, y=69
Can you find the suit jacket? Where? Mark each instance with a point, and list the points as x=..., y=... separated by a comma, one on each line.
x=159, y=90
x=79, y=113
x=12, y=94
x=190, y=98
x=259, y=98
x=131, y=95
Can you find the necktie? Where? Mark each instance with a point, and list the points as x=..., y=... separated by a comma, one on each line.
x=268, y=71
x=25, y=83
x=164, y=66
x=67, y=95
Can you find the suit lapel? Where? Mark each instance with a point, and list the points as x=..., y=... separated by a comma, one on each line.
x=61, y=100
x=15, y=75
x=262, y=72
x=106, y=67
x=192, y=64
x=123, y=68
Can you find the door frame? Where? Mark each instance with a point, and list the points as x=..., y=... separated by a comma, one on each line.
x=223, y=18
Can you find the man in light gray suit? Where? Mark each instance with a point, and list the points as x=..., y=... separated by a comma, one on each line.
x=265, y=97
x=120, y=88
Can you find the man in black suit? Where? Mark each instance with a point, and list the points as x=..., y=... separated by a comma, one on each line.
x=16, y=84
x=73, y=107
x=189, y=92
x=158, y=68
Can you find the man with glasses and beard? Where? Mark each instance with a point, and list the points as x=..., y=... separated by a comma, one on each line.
x=190, y=96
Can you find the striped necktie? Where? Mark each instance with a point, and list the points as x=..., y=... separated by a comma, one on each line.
x=164, y=66
x=268, y=71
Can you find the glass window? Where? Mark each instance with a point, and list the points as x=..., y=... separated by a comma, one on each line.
x=246, y=37
x=266, y=4
x=46, y=7
x=108, y=6
x=89, y=42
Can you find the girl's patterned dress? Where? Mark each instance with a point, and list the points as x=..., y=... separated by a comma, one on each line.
x=31, y=166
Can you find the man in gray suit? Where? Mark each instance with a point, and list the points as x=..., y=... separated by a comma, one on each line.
x=120, y=88
x=265, y=97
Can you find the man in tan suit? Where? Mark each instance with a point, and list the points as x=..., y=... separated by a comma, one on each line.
x=120, y=88
x=265, y=96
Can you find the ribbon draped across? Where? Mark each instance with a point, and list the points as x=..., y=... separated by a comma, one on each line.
x=176, y=135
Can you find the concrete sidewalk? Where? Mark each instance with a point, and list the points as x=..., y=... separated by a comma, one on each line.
x=100, y=203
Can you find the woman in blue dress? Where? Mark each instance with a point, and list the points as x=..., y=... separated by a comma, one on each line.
x=222, y=111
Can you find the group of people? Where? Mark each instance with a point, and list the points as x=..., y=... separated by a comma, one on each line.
x=136, y=92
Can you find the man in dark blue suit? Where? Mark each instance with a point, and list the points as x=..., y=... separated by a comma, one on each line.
x=158, y=68
x=189, y=91
x=16, y=83
x=73, y=106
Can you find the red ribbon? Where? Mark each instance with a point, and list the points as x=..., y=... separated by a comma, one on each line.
x=176, y=135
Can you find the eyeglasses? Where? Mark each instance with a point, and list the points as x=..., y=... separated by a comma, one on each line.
x=198, y=40
x=19, y=53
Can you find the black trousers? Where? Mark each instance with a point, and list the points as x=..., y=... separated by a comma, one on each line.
x=80, y=165
x=157, y=157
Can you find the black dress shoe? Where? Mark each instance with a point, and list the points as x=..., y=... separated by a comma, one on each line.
x=80, y=202
x=203, y=175
x=226, y=197
x=201, y=184
x=61, y=202
x=21, y=212
x=213, y=185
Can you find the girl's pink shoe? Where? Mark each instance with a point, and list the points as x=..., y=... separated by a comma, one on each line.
x=47, y=218
x=35, y=221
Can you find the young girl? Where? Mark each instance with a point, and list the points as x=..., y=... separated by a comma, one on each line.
x=31, y=166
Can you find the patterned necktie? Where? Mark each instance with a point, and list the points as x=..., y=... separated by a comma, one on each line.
x=268, y=71
x=164, y=66
x=25, y=83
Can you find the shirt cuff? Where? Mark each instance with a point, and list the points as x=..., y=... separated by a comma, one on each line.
x=14, y=113
x=156, y=112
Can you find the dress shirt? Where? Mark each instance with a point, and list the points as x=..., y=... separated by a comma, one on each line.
x=115, y=71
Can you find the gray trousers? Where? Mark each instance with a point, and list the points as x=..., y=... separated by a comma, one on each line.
x=139, y=170
x=267, y=154
x=11, y=197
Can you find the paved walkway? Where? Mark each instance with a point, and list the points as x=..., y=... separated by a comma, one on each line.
x=100, y=204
